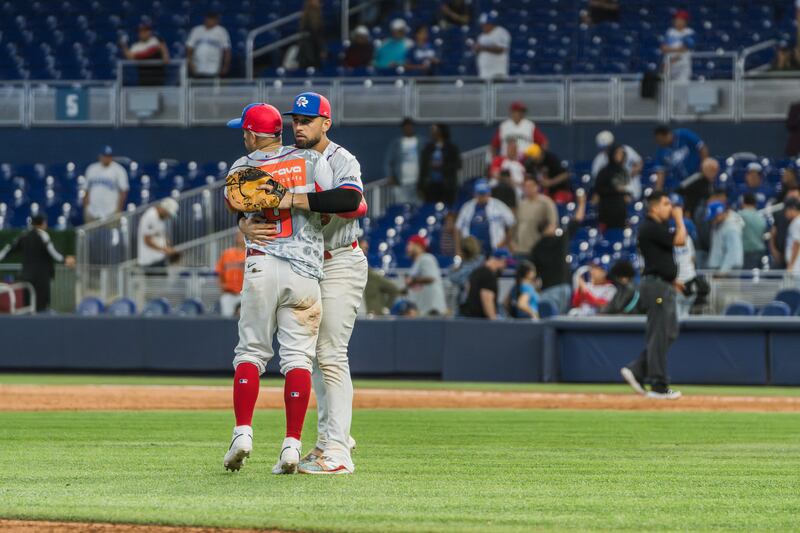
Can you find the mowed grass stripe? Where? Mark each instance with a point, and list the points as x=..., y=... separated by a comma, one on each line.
x=430, y=470
x=612, y=388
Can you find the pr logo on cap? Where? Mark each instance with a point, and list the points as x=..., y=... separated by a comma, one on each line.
x=302, y=101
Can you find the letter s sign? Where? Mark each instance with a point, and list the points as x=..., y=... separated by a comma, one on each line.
x=72, y=104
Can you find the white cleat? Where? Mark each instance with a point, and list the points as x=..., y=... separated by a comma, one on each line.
x=627, y=375
x=240, y=448
x=669, y=394
x=325, y=466
x=289, y=458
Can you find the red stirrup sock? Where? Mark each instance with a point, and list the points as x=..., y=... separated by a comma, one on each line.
x=245, y=393
x=296, y=393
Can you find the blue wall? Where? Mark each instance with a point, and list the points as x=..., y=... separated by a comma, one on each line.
x=728, y=350
x=368, y=143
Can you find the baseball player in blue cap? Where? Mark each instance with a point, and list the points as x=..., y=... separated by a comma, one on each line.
x=342, y=287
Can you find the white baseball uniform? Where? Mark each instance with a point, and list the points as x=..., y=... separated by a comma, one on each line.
x=281, y=279
x=342, y=288
x=104, y=184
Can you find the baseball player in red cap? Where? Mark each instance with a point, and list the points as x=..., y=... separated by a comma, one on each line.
x=281, y=292
x=678, y=44
x=345, y=270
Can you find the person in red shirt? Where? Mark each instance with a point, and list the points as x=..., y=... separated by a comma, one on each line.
x=149, y=48
x=230, y=269
x=517, y=128
x=588, y=298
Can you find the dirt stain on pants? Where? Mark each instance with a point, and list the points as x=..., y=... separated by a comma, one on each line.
x=309, y=314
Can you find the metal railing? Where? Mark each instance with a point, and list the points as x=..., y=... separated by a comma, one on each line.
x=9, y=290
x=757, y=287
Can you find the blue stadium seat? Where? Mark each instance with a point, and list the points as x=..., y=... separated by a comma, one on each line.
x=790, y=297
x=89, y=306
x=740, y=309
x=547, y=309
x=121, y=307
x=191, y=307
x=157, y=307
x=776, y=309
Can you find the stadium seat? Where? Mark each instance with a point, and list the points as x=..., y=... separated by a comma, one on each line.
x=191, y=307
x=89, y=306
x=547, y=309
x=157, y=307
x=740, y=309
x=121, y=307
x=776, y=309
x=790, y=297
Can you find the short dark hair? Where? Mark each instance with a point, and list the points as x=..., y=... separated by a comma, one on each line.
x=662, y=129
x=444, y=131
x=38, y=220
x=656, y=196
x=408, y=121
x=749, y=198
x=622, y=269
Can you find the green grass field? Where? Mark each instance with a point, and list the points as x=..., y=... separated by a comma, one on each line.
x=427, y=470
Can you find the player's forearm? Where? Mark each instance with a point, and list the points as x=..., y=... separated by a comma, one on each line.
x=332, y=201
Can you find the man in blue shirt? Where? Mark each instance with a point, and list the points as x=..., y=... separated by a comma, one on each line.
x=421, y=58
x=679, y=155
x=392, y=52
x=754, y=184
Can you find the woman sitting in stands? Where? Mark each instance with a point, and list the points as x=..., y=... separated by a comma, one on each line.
x=523, y=300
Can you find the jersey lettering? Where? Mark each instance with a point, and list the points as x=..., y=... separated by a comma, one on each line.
x=282, y=219
x=287, y=173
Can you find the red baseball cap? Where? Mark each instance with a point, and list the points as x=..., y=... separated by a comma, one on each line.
x=518, y=106
x=682, y=14
x=259, y=118
x=419, y=239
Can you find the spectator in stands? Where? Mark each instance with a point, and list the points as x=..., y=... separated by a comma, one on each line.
x=552, y=175
x=106, y=187
x=754, y=184
x=610, y=190
x=470, y=259
x=726, y=251
x=678, y=44
x=626, y=298
x=454, y=12
x=447, y=237
x=380, y=292
x=487, y=219
x=153, y=245
x=401, y=164
x=686, y=261
x=788, y=181
x=703, y=227
x=313, y=48
x=519, y=130
x=150, y=48
x=780, y=228
x=755, y=226
x=633, y=163
x=482, y=289
x=230, y=269
x=786, y=58
x=208, y=49
x=522, y=300
x=491, y=48
x=792, y=253
x=424, y=279
x=509, y=161
x=38, y=259
x=534, y=211
x=601, y=11
x=421, y=58
x=549, y=256
x=590, y=297
x=439, y=164
x=678, y=156
x=505, y=191
x=359, y=53
x=392, y=52
x=793, y=126
x=697, y=188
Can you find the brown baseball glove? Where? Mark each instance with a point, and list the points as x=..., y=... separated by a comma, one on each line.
x=244, y=194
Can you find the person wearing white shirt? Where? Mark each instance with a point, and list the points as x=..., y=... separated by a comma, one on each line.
x=487, y=219
x=208, y=49
x=678, y=44
x=106, y=187
x=153, y=245
x=492, y=48
x=792, y=211
x=633, y=162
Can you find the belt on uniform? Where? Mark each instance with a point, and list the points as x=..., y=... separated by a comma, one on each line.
x=352, y=245
x=253, y=251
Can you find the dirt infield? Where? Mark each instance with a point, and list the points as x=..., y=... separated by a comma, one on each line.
x=36, y=526
x=146, y=397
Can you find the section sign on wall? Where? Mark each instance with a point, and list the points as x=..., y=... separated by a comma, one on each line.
x=72, y=104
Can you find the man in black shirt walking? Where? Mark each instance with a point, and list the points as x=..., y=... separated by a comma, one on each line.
x=482, y=291
x=38, y=259
x=657, y=296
